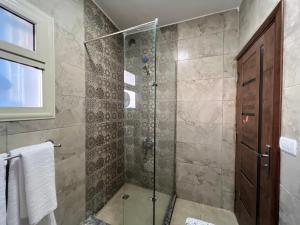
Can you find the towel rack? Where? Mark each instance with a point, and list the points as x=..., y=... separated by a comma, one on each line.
x=15, y=156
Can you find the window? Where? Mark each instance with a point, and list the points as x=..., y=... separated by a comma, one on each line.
x=129, y=99
x=20, y=85
x=129, y=78
x=129, y=96
x=27, y=79
x=16, y=30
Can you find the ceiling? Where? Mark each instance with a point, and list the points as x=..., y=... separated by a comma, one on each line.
x=127, y=13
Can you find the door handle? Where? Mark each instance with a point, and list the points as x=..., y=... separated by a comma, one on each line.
x=267, y=154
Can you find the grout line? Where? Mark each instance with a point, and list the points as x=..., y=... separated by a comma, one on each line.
x=222, y=133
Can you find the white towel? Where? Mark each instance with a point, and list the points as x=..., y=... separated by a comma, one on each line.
x=3, y=189
x=35, y=185
x=16, y=194
x=192, y=221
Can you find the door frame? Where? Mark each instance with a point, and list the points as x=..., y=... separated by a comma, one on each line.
x=276, y=16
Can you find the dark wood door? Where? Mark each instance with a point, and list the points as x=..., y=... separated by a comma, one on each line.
x=258, y=128
x=248, y=103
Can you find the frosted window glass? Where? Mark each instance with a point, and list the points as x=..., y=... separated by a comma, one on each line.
x=20, y=85
x=15, y=30
x=129, y=99
x=129, y=78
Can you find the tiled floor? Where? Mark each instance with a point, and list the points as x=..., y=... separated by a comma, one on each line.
x=136, y=210
x=184, y=209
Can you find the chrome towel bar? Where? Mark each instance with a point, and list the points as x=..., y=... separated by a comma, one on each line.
x=15, y=156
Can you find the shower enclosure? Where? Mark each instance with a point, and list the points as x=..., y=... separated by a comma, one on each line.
x=145, y=195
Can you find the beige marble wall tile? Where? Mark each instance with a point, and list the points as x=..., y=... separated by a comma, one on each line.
x=291, y=60
x=291, y=17
x=206, y=190
x=186, y=173
x=228, y=157
x=248, y=18
x=251, y=16
x=191, y=90
x=67, y=14
x=166, y=90
x=204, y=133
x=230, y=66
x=70, y=110
x=205, y=45
x=229, y=112
x=204, y=25
x=184, y=191
x=264, y=8
x=291, y=110
x=71, y=205
x=208, y=24
x=166, y=52
x=203, y=155
x=207, y=175
x=228, y=201
x=289, y=174
x=70, y=80
x=229, y=89
x=167, y=34
x=231, y=38
x=70, y=138
x=2, y=144
x=231, y=20
x=2, y=137
x=228, y=147
x=70, y=168
x=206, y=107
x=166, y=71
x=289, y=208
x=228, y=133
x=193, y=112
x=70, y=172
x=205, y=194
x=68, y=49
x=202, y=68
x=228, y=177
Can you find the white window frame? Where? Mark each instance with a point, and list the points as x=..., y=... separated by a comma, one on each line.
x=42, y=58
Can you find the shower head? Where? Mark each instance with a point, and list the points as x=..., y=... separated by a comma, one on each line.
x=131, y=42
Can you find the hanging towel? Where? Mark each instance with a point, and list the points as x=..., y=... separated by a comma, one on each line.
x=192, y=221
x=16, y=208
x=3, y=189
x=35, y=176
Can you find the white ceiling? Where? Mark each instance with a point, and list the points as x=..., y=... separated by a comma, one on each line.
x=127, y=13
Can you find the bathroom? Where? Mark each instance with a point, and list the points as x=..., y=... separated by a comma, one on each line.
x=140, y=103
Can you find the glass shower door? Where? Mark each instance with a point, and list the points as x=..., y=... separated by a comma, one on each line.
x=139, y=104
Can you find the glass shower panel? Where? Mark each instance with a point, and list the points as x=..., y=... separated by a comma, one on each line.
x=165, y=124
x=147, y=187
x=139, y=103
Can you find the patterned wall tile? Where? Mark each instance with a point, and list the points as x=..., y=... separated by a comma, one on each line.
x=104, y=110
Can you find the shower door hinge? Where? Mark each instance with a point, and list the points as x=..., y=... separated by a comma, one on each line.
x=154, y=84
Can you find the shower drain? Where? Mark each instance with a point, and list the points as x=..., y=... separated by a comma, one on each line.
x=125, y=196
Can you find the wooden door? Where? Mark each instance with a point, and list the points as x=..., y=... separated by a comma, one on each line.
x=258, y=126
